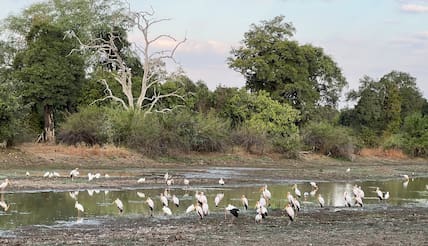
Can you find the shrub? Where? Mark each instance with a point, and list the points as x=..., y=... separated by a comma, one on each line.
x=87, y=126
x=329, y=140
x=251, y=140
x=415, y=135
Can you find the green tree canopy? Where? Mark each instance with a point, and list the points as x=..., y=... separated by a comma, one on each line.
x=301, y=75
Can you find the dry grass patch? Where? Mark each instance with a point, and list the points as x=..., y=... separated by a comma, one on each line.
x=79, y=150
x=394, y=154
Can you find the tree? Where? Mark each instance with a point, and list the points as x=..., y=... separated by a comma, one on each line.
x=153, y=63
x=301, y=75
x=49, y=77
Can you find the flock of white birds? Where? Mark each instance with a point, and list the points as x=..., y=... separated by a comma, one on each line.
x=201, y=206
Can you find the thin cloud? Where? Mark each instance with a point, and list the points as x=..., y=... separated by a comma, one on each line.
x=414, y=8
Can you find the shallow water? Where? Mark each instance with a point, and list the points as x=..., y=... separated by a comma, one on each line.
x=57, y=208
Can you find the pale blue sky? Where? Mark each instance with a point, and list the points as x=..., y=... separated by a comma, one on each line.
x=365, y=37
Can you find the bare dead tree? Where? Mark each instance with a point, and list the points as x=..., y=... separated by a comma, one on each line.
x=152, y=62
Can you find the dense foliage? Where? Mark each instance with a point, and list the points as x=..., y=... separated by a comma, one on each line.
x=289, y=103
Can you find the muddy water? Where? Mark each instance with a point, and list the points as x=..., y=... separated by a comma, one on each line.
x=57, y=208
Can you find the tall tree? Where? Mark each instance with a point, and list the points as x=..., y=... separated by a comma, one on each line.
x=49, y=77
x=153, y=64
x=301, y=75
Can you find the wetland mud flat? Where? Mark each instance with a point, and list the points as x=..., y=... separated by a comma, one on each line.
x=333, y=225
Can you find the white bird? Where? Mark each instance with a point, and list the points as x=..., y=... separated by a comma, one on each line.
x=166, y=176
x=141, y=180
x=321, y=200
x=163, y=199
x=266, y=193
x=348, y=199
x=244, y=202
x=51, y=174
x=176, y=201
x=199, y=211
x=296, y=204
x=56, y=174
x=119, y=205
x=74, y=173
x=166, y=210
x=90, y=176
x=405, y=176
x=262, y=201
x=221, y=181
x=90, y=192
x=151, y=205
x=297, y=191
x=141, y=194
x=205, y=209
x=186, y=182
x=232, y=209
x=27, y=174
x=261, y=209
x=106, y=176
x=258, y=218
x=79, y=207
x=359, y=201
x=190, y=208
x=46, y=174
x=170, y=182
x=97, y=175
x=218, y=198
x=4, y=184
x=348, y=170
x=386, y=195
x=313, y=184
x=202, y=198
x=290, y=211
x=74, y=194
x=426, y=187
x=4, y=205
x=379, y=193
x=290, y=197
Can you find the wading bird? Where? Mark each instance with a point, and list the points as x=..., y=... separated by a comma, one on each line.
x=190, y=208
x=258, y=218
x=314, y=185
x=205, y=209
x=4, y=184
x=151, y=205
x=386, y=195
x=73, y=194
x=166, y=210
x=199, y=211
x=290, y=211
x=175, y=201
x=141, y=194
x=379, y=194
x=74, y=173
x=163, y=199
x=46, y=174
x=232, y=209
x=244, y=202
x=221, y=181
x=79, y=208
x=359, y=201
x=266, y=193
x=186, y=182
x=348, y=199
x=4, y=205
x=321, y=200
x=27, y=174
x=297, y=191
x=119, y=205
x=218, y=198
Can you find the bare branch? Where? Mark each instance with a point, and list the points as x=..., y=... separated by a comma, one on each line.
x=109, y=95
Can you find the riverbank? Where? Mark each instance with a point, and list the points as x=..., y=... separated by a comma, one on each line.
x=382, y=225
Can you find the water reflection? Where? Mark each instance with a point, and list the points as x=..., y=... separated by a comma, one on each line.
x=49, y=208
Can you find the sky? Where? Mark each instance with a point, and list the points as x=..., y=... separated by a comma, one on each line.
x=364, y=37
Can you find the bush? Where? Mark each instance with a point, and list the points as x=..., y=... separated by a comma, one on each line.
x=88, y=126
x=329, y=140
x=415, y=135
x=252, y=141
